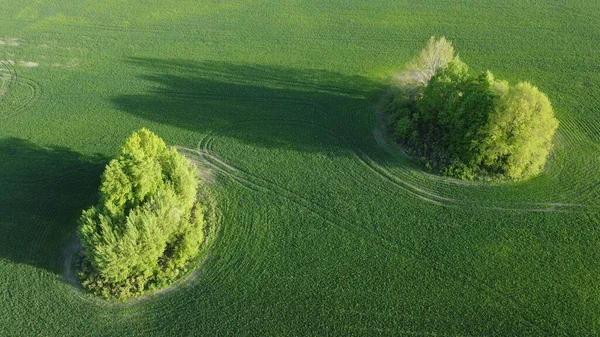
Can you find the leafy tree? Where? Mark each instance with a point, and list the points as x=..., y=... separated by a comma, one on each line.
x=519, y=136
x=436, y=55
x=148, y=224
x=456, y=104
x=466, y=124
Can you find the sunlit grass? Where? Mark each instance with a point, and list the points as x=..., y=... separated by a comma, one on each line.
x=326, y=228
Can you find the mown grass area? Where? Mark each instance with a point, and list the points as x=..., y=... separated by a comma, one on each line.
x=326, y=228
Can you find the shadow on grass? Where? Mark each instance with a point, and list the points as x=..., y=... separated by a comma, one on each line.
x=219, y=97
x=42, y=193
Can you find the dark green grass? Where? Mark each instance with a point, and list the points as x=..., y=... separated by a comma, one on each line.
x=326, y=229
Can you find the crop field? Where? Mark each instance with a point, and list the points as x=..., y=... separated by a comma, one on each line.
x=326, y=228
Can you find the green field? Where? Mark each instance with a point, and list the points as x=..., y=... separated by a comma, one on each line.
x=326, y=229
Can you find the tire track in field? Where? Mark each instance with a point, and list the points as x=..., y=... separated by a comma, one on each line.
x=5, y=81
x=7, y=76
x=585, y=117
x=34, y=91
x=205, y=152
x=578, y=137
x=248, y=181
x=403, y=180
x=441, y=200
x=582, y=170
x=570, y=129
x=11, y=82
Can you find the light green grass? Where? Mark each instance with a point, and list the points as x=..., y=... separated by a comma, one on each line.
x=324, y=230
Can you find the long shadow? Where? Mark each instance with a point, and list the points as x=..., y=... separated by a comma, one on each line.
x=42, y=193
x=237, y=99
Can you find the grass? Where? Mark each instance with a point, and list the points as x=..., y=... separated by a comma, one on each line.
x=326, y=229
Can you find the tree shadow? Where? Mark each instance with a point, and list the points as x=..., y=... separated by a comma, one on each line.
x=42, y=193
x=220, y=97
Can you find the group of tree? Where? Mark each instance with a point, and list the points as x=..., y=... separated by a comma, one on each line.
x=470, y=125
x=149, y=224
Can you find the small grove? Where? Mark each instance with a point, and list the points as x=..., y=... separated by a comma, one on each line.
x=470, y=125
x=149, y=225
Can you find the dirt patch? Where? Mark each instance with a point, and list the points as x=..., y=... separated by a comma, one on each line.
x=71, y=64
x=28, y=64
x=207, y=174
x=10, y=42
x=7, y=62
x=5, y=79
x=380, y=131
x=71, y=251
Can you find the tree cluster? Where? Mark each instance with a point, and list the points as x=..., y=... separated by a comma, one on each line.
x=148, y=225
x=470, y=125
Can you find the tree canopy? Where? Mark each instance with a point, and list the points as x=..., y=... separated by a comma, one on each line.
x=148, y=224
x=469, y=125
x=436, y=55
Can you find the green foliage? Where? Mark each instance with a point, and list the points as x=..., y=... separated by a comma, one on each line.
x=148, y=225
x=470, y=125
x=433, y=58
x=519, y=136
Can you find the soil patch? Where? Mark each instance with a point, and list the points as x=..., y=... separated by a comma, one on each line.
x=28, y=64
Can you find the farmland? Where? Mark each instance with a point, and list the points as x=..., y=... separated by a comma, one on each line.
x=326, y=228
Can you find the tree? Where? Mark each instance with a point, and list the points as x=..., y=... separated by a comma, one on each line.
x=148, y=224
x=467, y=124
x=519, y=135
x=436, y=55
